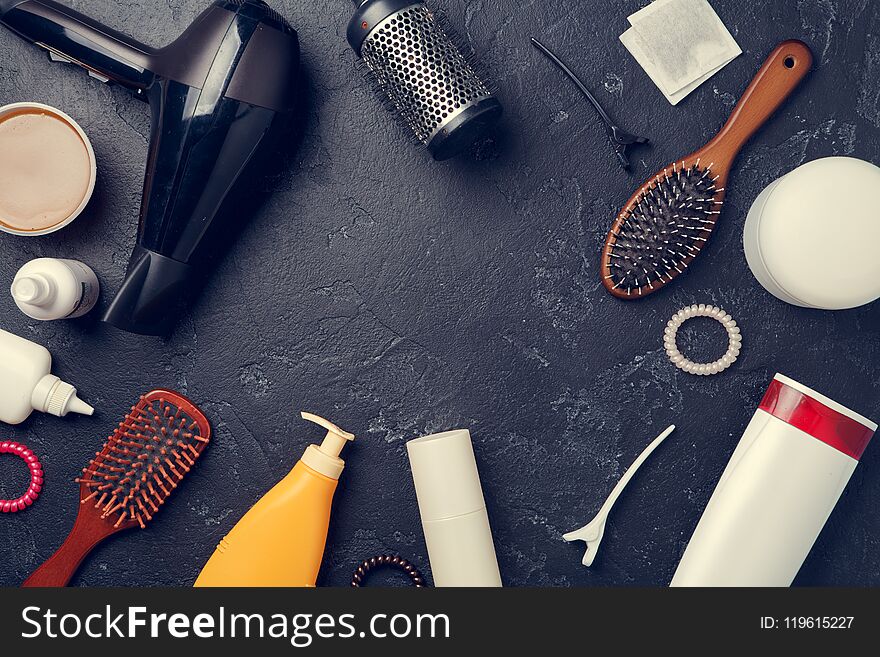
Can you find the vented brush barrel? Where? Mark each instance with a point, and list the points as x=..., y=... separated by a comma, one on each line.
x=424, y=75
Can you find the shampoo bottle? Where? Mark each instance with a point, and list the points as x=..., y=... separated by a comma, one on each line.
x=51, y=288
x=781, y=484
x=27, y=384
x=280, y=541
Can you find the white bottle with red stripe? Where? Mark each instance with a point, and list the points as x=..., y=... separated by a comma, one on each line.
x=781, y=484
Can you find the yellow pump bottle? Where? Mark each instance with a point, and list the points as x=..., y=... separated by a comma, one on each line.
x=280, y=541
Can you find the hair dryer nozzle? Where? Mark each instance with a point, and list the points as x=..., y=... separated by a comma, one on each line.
x=149, y=300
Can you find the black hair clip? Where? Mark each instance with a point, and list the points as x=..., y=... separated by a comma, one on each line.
x=621, y=140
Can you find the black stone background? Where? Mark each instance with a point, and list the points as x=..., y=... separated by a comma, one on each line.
x=400, y=297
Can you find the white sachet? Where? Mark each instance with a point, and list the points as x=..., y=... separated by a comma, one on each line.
x=631, y=40
x=680, y=44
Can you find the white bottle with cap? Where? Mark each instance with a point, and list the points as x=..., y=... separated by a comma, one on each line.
x=51, y=288
x=27, y=385
x=453, y=510
x=781, y=484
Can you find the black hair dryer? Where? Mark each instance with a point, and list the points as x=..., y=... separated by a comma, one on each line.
x=220, y=95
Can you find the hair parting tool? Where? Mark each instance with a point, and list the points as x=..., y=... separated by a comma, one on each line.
x=221, y=96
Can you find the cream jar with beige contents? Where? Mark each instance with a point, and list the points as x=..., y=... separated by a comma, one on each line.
x=47, y=169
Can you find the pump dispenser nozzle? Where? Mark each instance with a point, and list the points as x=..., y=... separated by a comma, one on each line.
x=324, y=458
x=280, y=541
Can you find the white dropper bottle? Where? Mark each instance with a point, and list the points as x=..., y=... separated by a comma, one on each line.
x=52, y=288
x=27, y=384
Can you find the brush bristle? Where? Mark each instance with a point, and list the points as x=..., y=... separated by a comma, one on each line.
x=664, y=229
x=145, y=458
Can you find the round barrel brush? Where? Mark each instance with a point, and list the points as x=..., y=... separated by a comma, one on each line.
x=668, y=221
x=426, y=79
x=123, y=487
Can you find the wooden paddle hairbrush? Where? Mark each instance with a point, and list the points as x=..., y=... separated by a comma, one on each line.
x=666, y=223
x=141, y=464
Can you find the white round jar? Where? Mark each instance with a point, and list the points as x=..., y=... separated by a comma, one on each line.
x=812, y=237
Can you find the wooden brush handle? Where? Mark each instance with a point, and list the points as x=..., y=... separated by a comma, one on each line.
x=786, y=66
x=88, y=530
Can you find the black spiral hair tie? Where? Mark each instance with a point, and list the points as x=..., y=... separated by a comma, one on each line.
x=368, y=565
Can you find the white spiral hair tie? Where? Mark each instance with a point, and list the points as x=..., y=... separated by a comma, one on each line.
x=702, y=369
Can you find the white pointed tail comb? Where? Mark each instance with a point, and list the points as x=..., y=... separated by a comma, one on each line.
x=593, y=531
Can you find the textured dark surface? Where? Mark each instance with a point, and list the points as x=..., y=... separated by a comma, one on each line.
x=399, y=297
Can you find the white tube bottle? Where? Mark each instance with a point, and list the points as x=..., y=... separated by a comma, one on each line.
x=51, y=288
x=27, y=385
x=453, y=510
x=781, y=484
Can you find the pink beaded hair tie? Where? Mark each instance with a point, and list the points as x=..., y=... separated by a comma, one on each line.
x=36, y=470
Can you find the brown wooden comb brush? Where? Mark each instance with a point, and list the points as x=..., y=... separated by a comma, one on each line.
x=123, y=487
x=666, y=223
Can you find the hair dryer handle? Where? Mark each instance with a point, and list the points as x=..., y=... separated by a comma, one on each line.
x=71, y=37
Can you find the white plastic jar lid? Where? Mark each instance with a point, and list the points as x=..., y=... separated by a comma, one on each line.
x=813, y=236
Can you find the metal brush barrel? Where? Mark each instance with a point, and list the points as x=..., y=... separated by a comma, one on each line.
x=424, y=75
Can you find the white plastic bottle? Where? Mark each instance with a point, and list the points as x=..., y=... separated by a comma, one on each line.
x=781, y=484
x=50, y=288
x=453, y=510
x=27, y=385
